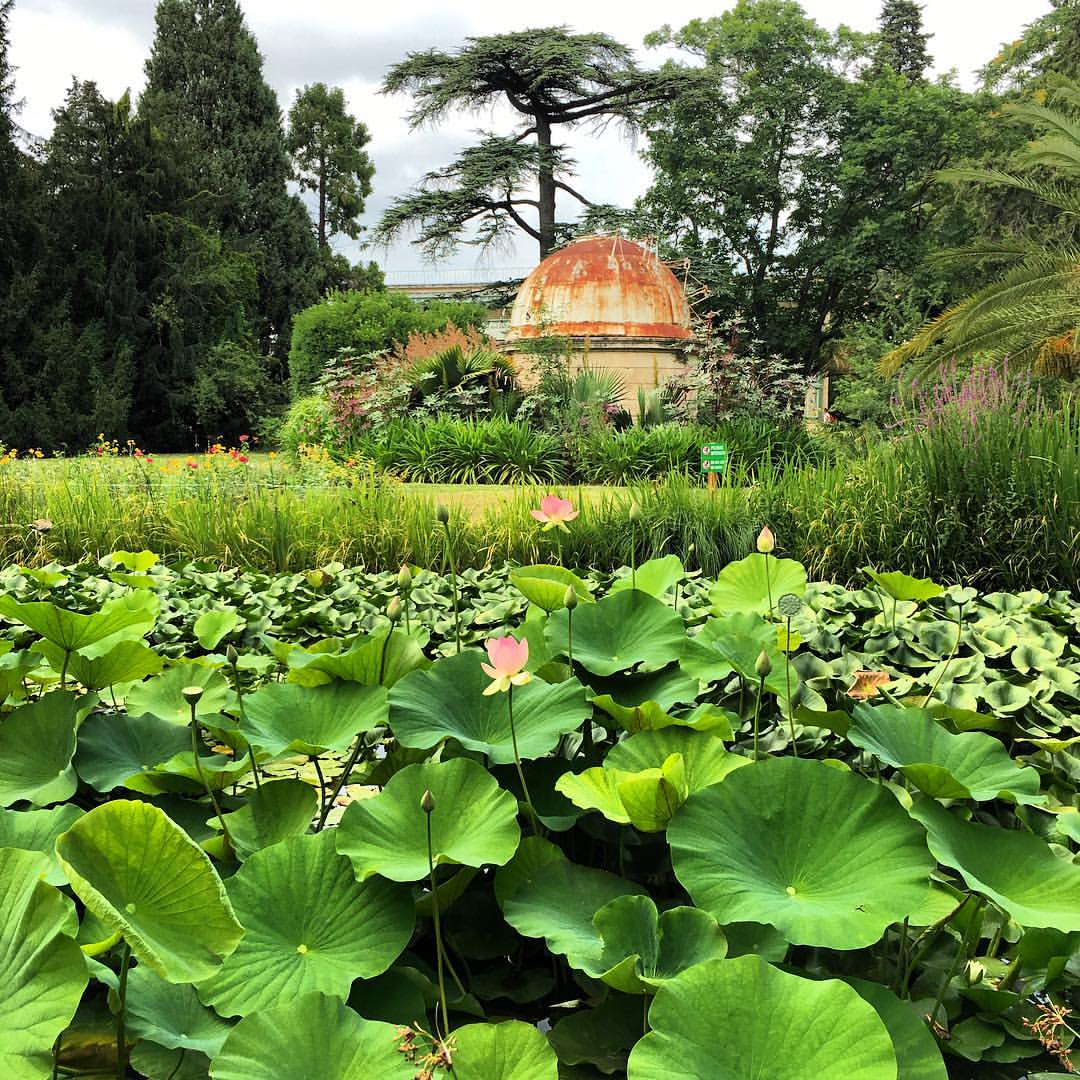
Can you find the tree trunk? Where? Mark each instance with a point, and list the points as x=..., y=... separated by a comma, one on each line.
x=322, y=203
x=546, y=182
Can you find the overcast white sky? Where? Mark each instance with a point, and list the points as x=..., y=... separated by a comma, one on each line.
x=350, y=44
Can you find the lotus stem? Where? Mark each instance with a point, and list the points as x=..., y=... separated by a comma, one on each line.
x=533, y=817
x=961, y=956
x=382, y=652
x=757, y=712
x=354, y=757
x=233, y=658
x=787, y=680
x=914, y=957
x=322, y=781
x=64, y=668
x=179, y=1062
x=202, y=775
x=438, y=922
x=768, y=585
x=444, y=518
x=948, y=659
x=121, y=993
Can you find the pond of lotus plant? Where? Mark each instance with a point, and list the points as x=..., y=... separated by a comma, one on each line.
x=531, y=825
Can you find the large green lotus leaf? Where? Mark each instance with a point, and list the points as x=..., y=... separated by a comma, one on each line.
x=545, y=586
x=775, y=1025
x=822, y=854
x=171, y=1014
x=144, y=877
x=733, y=643
x=512, y=1050
x=308, y=925
x=705, y=759
x=448, y=701
x=121, y=750
x=14, y=669
x=916, y=1050
x=285, y=717
x=597, y=789
x=600, y=1036
x=392, y=656
x=544, y=895
x=619, y=632
x=655, y=577
x=156, y=1063
x=902, y=587
x=643, y=949
x=128, y=616
x=42, y=969
x=125, y=661
x=946, y=766
x=1015, y=869
x=211, y=626
x=37, y=743
x=37, y=830
x=272, y=813
x=747, y=585
x=314, y=1037
x=474, y=822
x=162, y=695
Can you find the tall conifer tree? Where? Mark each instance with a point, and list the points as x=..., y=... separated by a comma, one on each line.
x=902, y=41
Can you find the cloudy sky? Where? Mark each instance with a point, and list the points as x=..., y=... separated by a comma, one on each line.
x=351, y=44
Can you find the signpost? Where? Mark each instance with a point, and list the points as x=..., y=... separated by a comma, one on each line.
x=713, y=461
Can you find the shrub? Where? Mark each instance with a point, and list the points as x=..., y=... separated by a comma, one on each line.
x=364, y=322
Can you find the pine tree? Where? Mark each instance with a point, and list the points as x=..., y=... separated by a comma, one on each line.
x=902, y=40
x=205, y=91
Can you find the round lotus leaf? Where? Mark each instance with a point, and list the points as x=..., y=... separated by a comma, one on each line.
x=756, y=583
x=774, y=1025
x=42, y=968
x=448, y=701
x=122, y=750
x=966, y=766
x=903, y=586
x=825, y=856
x=124, y=617
x=512, y=1050
x=643, y=949
x=37, y=743
x=145, y=878
x=314, y=1036
x=276, y=810
x=376, y=660
x=171, y=1015
x=1016, y=870
x=546, y=586
x=474, y=822
x=655, y=577
x=544, y=895
x=162, y=695
x=916, y=1050
x=308, y=925
x=734, y=643
x=619, y=632
x=284, y=717
x=125, y=661
x=37, y=830
x=705, y=759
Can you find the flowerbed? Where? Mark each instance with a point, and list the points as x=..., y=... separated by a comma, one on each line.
x=532, y=824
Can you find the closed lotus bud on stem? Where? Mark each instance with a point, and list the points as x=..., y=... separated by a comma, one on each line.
x=442, y=515
x=231, y=654
x=763, y=665
x=635, y=512
x=571, y=599
x=427, y=802
x=766, y=541
x=393, y=609
x=192, y=694
x=404, y=578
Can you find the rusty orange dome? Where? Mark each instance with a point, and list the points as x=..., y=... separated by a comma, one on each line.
x=601, y=286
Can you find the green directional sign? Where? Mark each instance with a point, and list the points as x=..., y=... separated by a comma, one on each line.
x=713, y=457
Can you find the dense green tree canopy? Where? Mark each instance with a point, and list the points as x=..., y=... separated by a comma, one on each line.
x=552, y=78
x=327, y=145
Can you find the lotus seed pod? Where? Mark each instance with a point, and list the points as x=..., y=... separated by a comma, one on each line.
x=763, y=665
x=766, y=541
x=789, y=605
x=570, y=601
x=192, y=694
x=404, y=578
x=635, y=512
x=427, y=802
x=393, y=609
x=442, y=515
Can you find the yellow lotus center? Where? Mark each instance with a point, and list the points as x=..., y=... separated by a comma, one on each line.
x=790, y=890
x=302, y=950
x=129, y=908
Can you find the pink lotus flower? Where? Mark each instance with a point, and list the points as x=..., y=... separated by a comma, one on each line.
x=508, y=657
x=554, y=513
x=766, y=542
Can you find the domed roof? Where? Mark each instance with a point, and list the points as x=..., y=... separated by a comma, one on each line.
x=604, y=286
